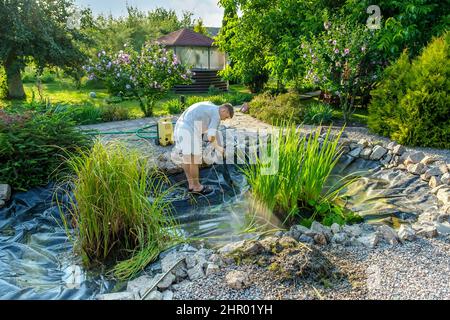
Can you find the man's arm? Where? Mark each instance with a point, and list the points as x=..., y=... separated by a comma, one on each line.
x=212, y=135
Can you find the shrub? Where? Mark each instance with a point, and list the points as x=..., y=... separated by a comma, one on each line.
x=273, y=109
x=32, y=147
x=174, y=106
x=113, y=216
x=114, y=113
x=212, y=90
x=298, y=189
x=318, y=113
x=411, y=105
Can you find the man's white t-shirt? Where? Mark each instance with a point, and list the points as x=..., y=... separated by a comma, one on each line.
x=198, y=119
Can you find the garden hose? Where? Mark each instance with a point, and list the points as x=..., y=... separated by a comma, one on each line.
x=141, y=132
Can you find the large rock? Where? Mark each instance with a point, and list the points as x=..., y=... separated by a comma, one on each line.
x=196, y=272
x=211, y=269
x=140, y=285
x=405, y=232
x=365, y=153
x=318, y=228
x=398, y=150
x=428, y=231
x=388, y=234
x=353, y=230
x=171, y=260
x=167, y=281
x=116, y=296
x=443, y=195
x=370, y=240
x=167, y=295
x=154, y=295
x=355, y=152
x=5, y=192
x=339, y=238
x=445, y=178
x=230, y=247
x=417, y=168
x=237, y=280
x=434, y=182
x=378, y=152
x=413, y=157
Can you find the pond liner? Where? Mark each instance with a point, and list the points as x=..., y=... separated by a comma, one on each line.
x=36, y=255
x=37, y=260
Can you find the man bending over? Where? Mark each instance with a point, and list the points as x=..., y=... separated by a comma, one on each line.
x=200, y=118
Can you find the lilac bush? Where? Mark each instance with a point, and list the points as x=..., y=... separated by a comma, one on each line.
x=339, y=62
x=146, y=75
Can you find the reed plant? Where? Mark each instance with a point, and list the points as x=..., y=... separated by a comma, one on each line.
x=114, y=219
x=299, y=189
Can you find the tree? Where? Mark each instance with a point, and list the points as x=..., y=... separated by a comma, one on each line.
x=39, y=31
x=146, y=75
x=200, y=28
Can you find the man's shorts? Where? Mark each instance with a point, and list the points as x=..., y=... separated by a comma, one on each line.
x=186, y=141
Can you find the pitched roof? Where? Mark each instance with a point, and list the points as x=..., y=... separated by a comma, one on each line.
x=185, y=37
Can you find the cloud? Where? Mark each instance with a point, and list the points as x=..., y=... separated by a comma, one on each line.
x=208, y=10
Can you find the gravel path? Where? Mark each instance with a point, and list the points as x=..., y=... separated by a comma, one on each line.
x=414, y=270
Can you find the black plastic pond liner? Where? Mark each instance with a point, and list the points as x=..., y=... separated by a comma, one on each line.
x=36, y=256
x=37, y=260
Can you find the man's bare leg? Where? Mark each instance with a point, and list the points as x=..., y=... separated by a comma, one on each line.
x=195, y=174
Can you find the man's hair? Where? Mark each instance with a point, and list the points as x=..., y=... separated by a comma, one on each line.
x=229, y=107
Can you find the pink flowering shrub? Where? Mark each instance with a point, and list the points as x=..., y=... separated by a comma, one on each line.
x=339, y=62
x=147, y=75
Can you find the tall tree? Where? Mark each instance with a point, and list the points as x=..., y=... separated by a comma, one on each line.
x=41, y=31
x=200, y=27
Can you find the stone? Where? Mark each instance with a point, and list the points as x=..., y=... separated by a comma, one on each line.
x=287, y=242
x=354, y=230
x=433, y=171
x=216, y=259
x=386, y=159
x=317, y=227
x=437, y=188
x=417, y=168
x=300, y=228
x=365, y=153
x=306, y=239
x=211, y=269
x=206, y=253
x=140, y=285
x=363, y=142
x=370, y=240
x=230, y=247
x=166, y=282
x=428, y=231
x=116, y=296
x=378, y=152
x=196, y=272
x=413, y=157
x=2, y=203
x=428, y=160
x=167, y=295
x=427, y=217
x=443, y=168
x=251, y=248
x=339, y=238
x=425, y=177
x=391, y=145
x=398, y=150
x=445, y=178
x=388, y=234
x=269, y=243
x=191, y=261
x=171, y=259
x=237, y=280
x=355, y=152
x=320, y=239
x=335, y=228
x=154, y=296
x=5, y=192
x=405, y=232
x=434, y=182
x=443, y=195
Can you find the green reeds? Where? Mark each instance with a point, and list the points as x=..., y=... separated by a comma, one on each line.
x=113, y=217
x=297, y=189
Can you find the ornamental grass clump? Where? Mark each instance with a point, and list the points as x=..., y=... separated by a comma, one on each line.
x=298, y=190
x=113, y=217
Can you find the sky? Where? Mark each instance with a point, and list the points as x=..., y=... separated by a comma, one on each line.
x=208, y=10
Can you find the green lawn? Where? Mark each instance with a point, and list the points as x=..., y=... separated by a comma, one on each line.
x=64, y=91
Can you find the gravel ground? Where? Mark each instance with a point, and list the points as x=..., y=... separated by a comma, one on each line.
x=414, y=270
